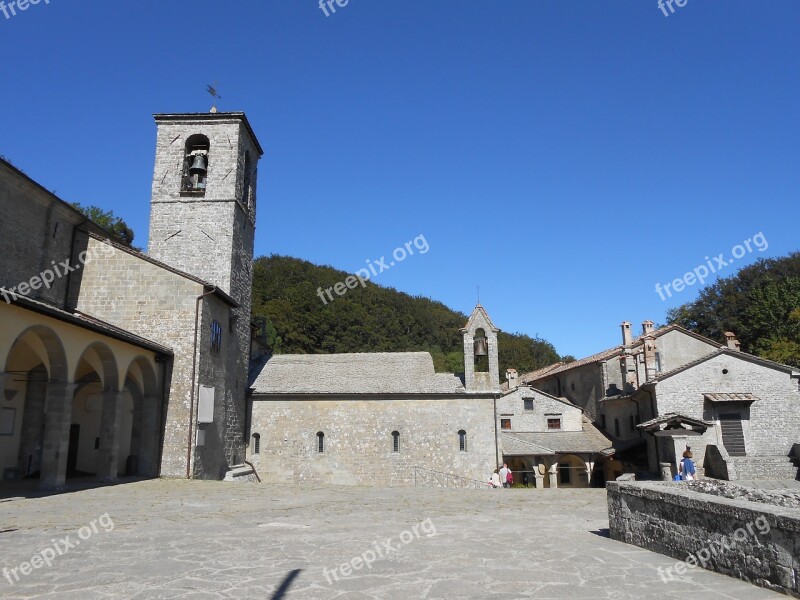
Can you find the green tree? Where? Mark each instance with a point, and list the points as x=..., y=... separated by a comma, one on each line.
x=108, y=221
x=370, y=318
x=760, y=304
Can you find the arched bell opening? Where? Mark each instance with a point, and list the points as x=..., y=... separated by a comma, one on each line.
x=481, y=351
x=196, y=164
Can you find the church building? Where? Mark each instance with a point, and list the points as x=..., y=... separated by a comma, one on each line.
x=113, y=361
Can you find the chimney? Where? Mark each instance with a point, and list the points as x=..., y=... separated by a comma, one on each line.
x=647, y=327
x=731, y=341
x=627, y=363
x=649, y=343
x=511, y=377
x=627, y=338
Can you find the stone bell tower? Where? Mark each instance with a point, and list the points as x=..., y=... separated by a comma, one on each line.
x=481, y=364
x=203, y=206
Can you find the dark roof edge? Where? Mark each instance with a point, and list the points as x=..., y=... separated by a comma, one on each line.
x=140, y=255
x=368, y=396
x=726, y=351
x=220, y=116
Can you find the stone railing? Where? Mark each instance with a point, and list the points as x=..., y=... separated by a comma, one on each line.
x=429, y=478
x=754, y=541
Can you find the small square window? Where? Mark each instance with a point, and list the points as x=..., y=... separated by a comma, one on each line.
x=554, y=423
x=505, y=423
x=528, y=404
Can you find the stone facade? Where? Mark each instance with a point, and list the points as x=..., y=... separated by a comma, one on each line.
x=375, y=416
x=195, y=284
x=358, y=442
x=754, y=541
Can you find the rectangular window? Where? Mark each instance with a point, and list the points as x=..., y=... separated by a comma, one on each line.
x=564, y=474
x=528, y=404
x=616, y=427
x=505, y=423
x=632, y=423
x=602, y=421
x=658, y=362
x=554, y=423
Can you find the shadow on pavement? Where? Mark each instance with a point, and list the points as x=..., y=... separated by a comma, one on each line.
x=287, y=583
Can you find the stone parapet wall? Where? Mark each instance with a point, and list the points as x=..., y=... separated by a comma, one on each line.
x=753, y=541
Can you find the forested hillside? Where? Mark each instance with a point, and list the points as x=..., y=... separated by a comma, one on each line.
x=760, y=304
x=369, y=319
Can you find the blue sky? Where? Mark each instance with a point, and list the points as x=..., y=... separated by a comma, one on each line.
x=565, y=156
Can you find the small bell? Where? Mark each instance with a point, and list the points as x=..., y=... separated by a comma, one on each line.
x=198, y=166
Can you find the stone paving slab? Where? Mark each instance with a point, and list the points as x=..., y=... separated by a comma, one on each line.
x=195, y=539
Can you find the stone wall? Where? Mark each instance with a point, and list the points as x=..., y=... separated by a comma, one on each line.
x=754, y=541
x=358, y=439
x=36, y=230
x=128, y=292
x=771, y=424
x=512, y=406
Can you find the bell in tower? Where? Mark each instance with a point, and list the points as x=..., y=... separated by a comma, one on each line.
x=481, y=364
x=481, y=348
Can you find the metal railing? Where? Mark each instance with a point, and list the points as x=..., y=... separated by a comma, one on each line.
x=430, y=478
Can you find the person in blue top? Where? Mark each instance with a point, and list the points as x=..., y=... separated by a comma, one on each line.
x=687, y=467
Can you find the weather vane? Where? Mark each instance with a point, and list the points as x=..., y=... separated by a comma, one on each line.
x=212, y=89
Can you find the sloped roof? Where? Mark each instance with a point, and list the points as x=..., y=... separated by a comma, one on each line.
x=728, y=352
x=513, y=445
x=533, y=375
x=612, y=352
x=588, y=441
x=529, y=392
x=357, y=373
x=479, y=311
x=672, y=418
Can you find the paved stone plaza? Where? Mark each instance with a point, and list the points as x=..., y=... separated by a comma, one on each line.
x=182, y=539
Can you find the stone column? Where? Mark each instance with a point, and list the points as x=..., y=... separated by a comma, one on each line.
x=150, y=435
x=553, y=475
x=108, y=458
x=539, y=480
x=57, y=419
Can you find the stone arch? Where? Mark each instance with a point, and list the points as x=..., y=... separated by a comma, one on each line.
x=578, y=476
x=45, y=343
x=140, y=433
x=103, y=362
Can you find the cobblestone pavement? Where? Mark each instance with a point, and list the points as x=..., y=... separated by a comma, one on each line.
x=182, y=539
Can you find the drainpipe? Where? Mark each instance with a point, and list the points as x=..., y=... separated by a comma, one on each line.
x=189, y=474
x=496, y=445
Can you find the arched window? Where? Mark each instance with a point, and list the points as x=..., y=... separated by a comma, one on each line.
x=256, y=443
x=320, y=442
x=395, y=441
x=195, y=165
x=462, y=440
